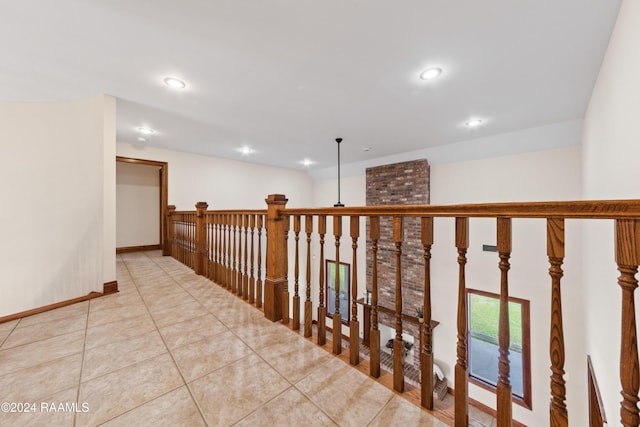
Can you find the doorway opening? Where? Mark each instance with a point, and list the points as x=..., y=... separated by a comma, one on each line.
x=142, y=189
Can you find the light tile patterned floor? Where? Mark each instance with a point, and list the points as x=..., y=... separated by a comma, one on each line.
x=172, y=348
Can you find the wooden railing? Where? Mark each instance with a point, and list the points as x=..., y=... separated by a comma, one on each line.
x=216, y=244
x=212, y=243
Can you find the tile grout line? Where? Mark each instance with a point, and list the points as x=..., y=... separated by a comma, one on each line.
x=381, y=409
x=9, y=334
x=84, y=347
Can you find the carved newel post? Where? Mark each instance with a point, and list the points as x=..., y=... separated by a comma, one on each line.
x=276, y=262
x=201, y=237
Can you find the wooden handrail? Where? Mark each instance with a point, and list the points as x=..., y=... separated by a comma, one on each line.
x=585, y=209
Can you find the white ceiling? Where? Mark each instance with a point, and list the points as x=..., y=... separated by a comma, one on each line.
x=286, y=77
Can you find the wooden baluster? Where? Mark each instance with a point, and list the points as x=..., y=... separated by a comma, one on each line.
x=200, y=235
x=558, y=416
x=186, y=243
x=190, y=241
x=374, y=339
x=503, y=388
x=183, y=238
x=296, y=297
x=186, y=230
x=209, y=254
x=308, y=306
x=225, y=250
x=285, y=288
x=245, y=272
x=426, y=351
x=171, y=209
x=208, y=246
x=209, y=249
x=219, y=231
x=461, y=373
x=398, y=344
x=176, y=236
x=259, y=281
x=322, y=310
x=238, y=264
x=232, y=256
x=183, y=233
x=628, y=258
x=354, y=326
x=337, y=317
x=214, y=248
x=187, y=239
x=252, y=279
x=239, y=259
x=179, y=240
x=232, y=251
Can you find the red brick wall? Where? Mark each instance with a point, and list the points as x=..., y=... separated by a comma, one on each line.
x=405, y=183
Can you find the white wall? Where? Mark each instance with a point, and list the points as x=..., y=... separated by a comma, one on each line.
x=223, y=183
x=55, y=196
x=611, y=151
x=538, y=176
x=137, y=205
x=543, y=175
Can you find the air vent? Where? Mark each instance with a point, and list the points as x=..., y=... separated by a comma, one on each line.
x=489, y=248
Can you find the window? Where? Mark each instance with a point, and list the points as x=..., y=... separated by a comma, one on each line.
x=344, y=292
x=484, y=311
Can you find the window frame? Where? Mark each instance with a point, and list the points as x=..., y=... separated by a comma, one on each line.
x=525, y=400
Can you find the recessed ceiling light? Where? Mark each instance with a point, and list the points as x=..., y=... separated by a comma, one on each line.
x=141, y=139
x=474, y=123
x=366, y=149
x=245, y=151
x=174, y=83
x=146, y=130
x=430, y=73
x=307, y=162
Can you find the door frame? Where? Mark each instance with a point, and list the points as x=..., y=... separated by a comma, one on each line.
x=164, y=195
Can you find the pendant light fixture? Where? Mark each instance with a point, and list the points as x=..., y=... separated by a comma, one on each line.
x=339, y=204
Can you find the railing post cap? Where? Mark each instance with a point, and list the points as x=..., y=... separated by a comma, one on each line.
x=202, y=205
x=276, y=199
